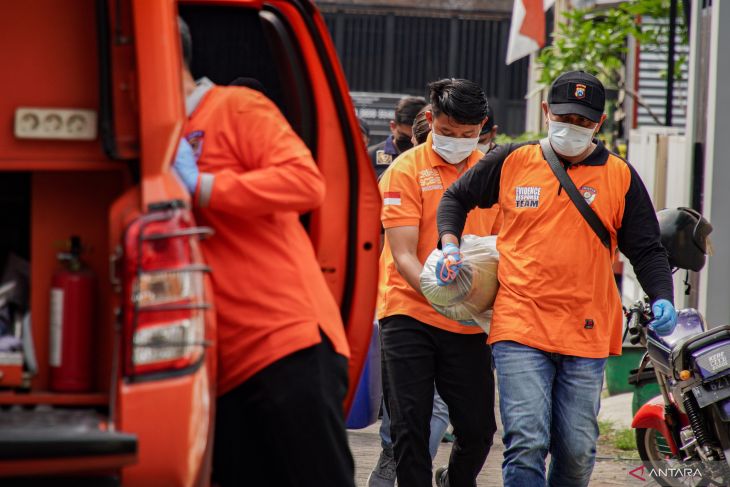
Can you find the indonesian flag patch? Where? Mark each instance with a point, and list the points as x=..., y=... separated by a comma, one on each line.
x=391, y=198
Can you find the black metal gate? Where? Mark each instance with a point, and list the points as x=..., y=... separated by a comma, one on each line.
x=396, y=51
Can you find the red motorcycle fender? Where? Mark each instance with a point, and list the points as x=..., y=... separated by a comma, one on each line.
x=651, y=415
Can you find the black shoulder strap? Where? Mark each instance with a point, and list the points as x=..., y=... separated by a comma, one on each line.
x=580, y=203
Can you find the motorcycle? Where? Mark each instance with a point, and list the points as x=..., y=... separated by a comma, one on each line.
x=683, y=435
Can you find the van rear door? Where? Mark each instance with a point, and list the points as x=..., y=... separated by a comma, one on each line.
x=166, y=327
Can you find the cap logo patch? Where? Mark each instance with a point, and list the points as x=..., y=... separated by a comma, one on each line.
x=580, y=91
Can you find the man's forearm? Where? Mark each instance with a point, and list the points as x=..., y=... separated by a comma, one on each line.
x=410, y=268
x=448, y=238
x=451, y=216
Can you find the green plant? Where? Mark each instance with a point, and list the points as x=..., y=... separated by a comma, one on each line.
x=502, y=139
x=625, y=439
x=523, y=137
x=605, y=427
x=621, y=439
x=595, y=41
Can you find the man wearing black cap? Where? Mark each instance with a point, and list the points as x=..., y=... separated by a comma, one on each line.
x=401, y=131
x=488, y=133
x=364, y=130
x=557, y=315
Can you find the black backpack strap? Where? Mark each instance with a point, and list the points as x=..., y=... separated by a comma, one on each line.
x=578, y=200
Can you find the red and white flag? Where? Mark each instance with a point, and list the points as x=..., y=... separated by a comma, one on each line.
x=391, y=198
x=527, y=31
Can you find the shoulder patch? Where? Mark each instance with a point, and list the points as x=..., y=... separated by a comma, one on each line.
x=589, y=193
x=195, y=139
x=383, y=159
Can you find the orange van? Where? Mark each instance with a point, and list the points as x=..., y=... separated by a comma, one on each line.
x=92, y=111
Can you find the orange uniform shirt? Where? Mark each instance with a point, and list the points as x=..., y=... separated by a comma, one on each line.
x=557, y=290
x=411, y=189
x=559, y=297
x=256, y=178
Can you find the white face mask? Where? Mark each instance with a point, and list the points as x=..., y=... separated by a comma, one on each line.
x=453, y=149
x=569, y=140
x=484, y=147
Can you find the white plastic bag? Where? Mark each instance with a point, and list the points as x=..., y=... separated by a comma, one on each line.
x=470, y=297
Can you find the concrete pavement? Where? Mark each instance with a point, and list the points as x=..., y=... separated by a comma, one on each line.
x=608, y=472
x=617, y=409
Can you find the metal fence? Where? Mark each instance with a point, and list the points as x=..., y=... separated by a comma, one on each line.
x=396, y=51
x=652, y=82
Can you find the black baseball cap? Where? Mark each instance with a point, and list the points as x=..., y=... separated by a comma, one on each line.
x=577, y=92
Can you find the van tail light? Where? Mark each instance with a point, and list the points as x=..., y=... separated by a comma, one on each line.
x=163, y=287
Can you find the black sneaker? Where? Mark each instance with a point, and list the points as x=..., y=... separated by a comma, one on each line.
x=383, y=475
x=441, y=477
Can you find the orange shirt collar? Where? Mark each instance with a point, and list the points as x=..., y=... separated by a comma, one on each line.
x=436, y=160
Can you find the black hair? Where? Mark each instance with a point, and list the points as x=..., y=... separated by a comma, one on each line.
x=186, y=41
x=408, y=108
x=460, y=99
x=420, y=125
x=364, y=126
x=252, y=83
x=490, y=122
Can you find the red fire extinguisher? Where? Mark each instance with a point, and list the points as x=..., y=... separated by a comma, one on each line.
x=71, y=318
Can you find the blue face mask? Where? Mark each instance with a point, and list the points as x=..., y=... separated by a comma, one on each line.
x=453, y=149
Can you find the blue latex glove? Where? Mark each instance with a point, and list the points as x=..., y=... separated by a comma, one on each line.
x=665, y=317
x=444, y=274
x=186, y=166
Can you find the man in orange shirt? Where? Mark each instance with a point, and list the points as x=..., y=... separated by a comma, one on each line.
x=557, y=315
x=282, y=350
x=420, y=346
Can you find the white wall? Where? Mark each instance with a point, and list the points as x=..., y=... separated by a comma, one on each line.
x=715, y=279
x=666, y=173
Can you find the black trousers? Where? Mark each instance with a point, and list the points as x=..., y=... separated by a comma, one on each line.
x=414, y=355
x=285, y=426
